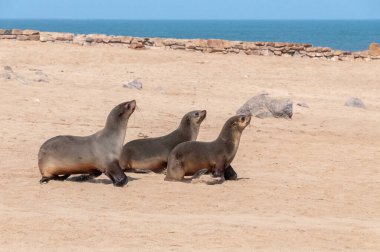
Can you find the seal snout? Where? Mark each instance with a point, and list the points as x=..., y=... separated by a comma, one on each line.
x=131, y=105
x=202, y=115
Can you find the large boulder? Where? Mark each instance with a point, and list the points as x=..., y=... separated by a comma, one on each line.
x=354, y=102
x=374, y=49
x=263, y=106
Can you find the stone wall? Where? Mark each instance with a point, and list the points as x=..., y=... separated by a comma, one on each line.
x=201, y=45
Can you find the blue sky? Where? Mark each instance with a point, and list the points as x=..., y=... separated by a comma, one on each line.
x=191, y=9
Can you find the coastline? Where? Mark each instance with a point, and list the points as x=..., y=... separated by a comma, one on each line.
x=280, y=49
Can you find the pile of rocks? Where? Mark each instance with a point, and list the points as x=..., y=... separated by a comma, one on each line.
x=20, y=34
x=202, y=45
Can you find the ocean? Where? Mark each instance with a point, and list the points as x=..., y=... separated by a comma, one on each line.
x=351, y=35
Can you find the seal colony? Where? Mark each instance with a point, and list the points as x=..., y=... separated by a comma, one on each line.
x=62, y=156
x=151, y=154
x=178, y=151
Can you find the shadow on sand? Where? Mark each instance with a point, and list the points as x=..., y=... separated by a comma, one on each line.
x=105, y=181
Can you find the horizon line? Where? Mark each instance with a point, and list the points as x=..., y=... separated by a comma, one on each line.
x=217, y=19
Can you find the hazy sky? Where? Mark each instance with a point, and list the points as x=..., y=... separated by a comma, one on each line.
x=191, y=9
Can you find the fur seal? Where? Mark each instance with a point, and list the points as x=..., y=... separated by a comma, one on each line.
x=191, y=157
x=151, y=154
x=92, y=155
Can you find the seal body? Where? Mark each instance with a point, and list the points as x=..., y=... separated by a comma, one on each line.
x=151, y=154
x=62, y=156
x=191, y=157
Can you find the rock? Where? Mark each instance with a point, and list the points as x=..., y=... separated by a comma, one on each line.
x=354, y=102
x=280, y=108
x=262, y=106
x=30, y=32
x=79, y=39
x=5, y=36
x=135, y=84
x=22, y=37
x=63, y=36
x=34, y=37
x=142, y=135
x=106, y=39
x=125, y=39
x=137, y=45
x=8, y=69
x=115, y=39
x=45, y=37
x=89, y=40
x=7, y=73
x=2, y=31
x=279, y=44
x=303, y=104
x=374, y=49
x=16, y=32
x=218, y=45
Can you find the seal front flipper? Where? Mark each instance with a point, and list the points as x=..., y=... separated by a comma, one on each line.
x=229, y=173
x=116, y=174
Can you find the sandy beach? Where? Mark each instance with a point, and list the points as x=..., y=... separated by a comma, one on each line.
x=306, y=184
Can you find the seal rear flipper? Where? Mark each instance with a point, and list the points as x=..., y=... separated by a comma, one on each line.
x=229, y=173
x=86, y=177
x=45, y=180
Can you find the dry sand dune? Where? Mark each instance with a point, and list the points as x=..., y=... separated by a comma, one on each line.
x=307, y=184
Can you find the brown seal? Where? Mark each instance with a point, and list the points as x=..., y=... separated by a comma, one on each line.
x=192, y=157
x=92, y=155
x=151, y=154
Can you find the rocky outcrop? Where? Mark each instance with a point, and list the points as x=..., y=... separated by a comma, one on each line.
x=203, y=45
x=263, y=106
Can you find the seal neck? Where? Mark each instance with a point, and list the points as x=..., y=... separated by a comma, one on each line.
x=230, y=137
x=115, y=130
x=188, y=129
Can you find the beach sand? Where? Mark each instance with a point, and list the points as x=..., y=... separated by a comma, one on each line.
x=306, y=184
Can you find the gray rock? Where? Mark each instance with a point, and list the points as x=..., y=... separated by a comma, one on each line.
x=280, y=108
x=7, y=73
x=8, y=69
x=135, y=84
x=262, y=106
x=355, y=102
